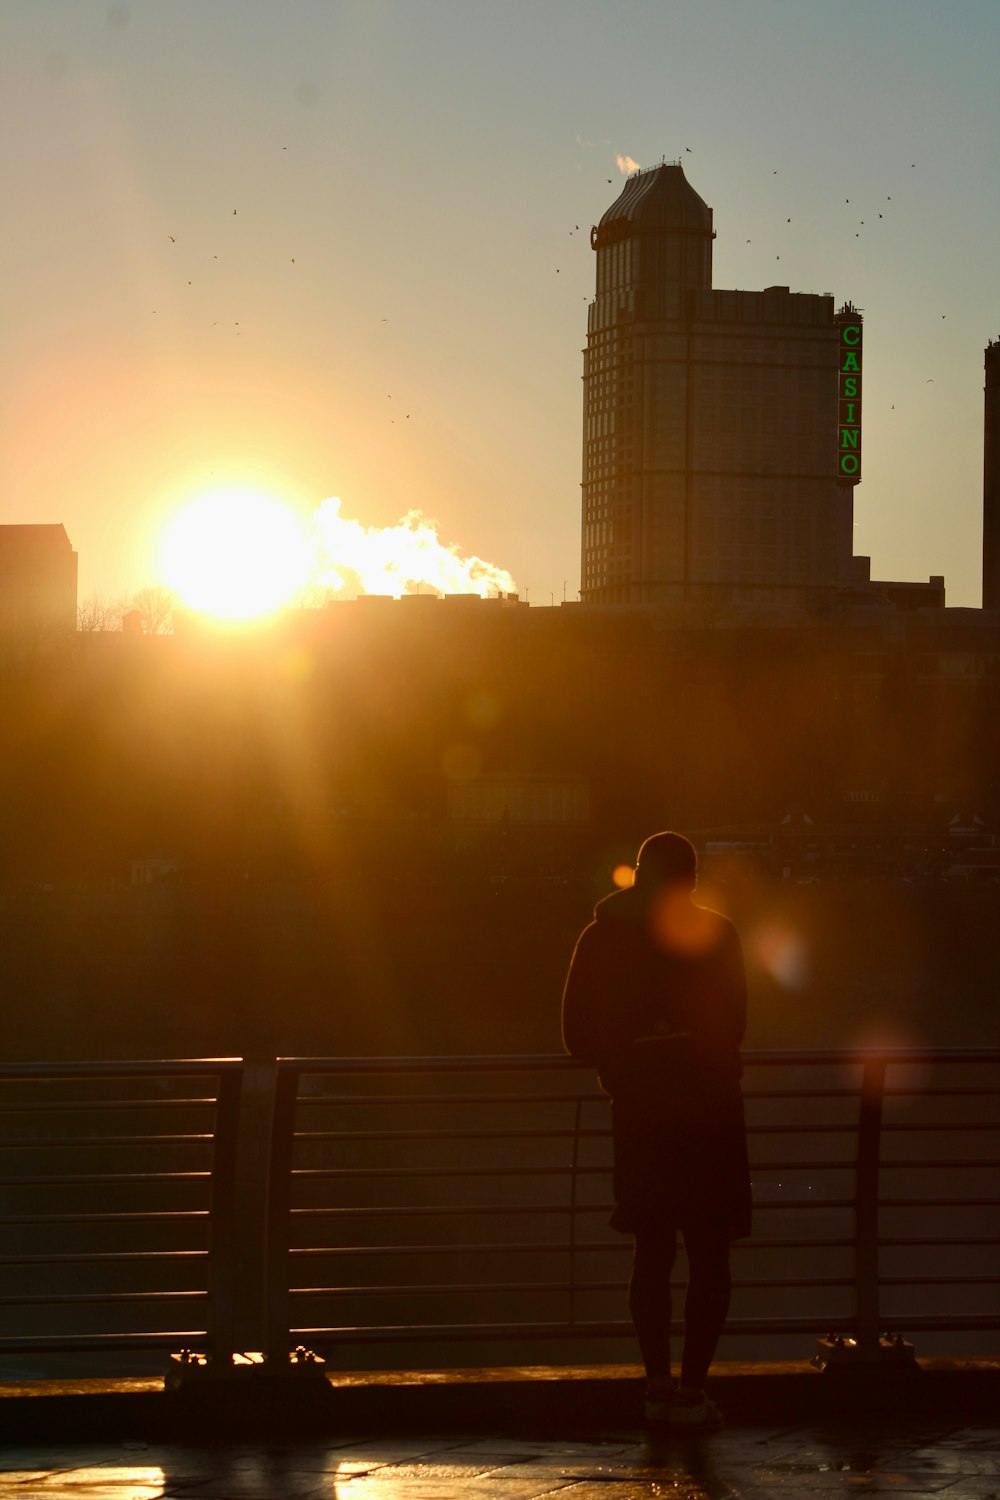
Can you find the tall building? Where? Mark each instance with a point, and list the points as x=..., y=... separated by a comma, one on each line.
x=991, y=479
x=721, y=428
x=37, y=579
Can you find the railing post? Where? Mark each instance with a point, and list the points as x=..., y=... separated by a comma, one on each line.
x=573, y=1211
x=866, y=1189
x=222, y=1221
x=277, y=1278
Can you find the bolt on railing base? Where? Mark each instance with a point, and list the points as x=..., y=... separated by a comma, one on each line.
x=835, y=1352
x=187, y=1368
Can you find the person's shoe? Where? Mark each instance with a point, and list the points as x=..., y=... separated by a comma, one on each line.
x=660, y=1392
x=691, y=1411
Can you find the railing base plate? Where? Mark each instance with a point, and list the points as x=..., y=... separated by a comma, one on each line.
x=187, y=1369
x=834, y=1352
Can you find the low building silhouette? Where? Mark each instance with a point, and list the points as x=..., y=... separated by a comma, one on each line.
x=38, y=578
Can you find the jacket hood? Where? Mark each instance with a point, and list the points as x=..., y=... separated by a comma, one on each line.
x=628, y=905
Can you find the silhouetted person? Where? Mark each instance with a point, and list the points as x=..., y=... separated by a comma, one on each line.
x=656, y=999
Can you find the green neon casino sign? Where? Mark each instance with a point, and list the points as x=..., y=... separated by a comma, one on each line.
x=849, y=328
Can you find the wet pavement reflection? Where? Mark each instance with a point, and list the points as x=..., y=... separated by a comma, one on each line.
x=906, y=1458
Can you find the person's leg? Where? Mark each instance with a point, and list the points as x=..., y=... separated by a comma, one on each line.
x=649, y=1298
x=707, y=1301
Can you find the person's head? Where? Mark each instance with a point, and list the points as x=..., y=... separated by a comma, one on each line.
x=667, y=859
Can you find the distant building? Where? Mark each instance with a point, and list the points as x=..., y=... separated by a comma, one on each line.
x=38, y=583
x=991, y=479
x=722, y=429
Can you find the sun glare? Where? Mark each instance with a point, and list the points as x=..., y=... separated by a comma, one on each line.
x=235, y=553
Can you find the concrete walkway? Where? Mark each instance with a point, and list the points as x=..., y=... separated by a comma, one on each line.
x=911, y=1458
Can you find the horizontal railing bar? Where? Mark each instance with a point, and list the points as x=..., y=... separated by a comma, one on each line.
x=166, y=1216
x=449, y=1210
x=314, y=1137
x=317, y=1100
x=950, y=1164
x=328, y=1174
x=520, y=1247
x=799, y=1166
x=937, y=1203
x=476, y=1288
x=940, y=1093
x=96, y=1343
x=526, y=1247
x=176, y=1067
x=304, y=1101
x=897, y=1241
x=103, y=1257
x=556, y=1062
x=34, y=1143
x=914, y=1127
x=469, y=1210
x=320, y=1337
x=945, y=1322
x=74, y=1299
x=939, y=1281
x=407, y=1333
x=90, y=1178
x=75, y=1107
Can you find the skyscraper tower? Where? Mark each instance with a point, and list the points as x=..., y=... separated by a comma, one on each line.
x=711, y=471
x=991, y=479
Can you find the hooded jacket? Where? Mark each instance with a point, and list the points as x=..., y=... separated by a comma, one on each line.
x=656, y=987
x=656, y=999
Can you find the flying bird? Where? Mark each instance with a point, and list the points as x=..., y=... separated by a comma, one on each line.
x=687, y=148
x=788, y=221
x=171, y=239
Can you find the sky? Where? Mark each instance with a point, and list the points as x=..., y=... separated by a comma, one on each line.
x=342, y=249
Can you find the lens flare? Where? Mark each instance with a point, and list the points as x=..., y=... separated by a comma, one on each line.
x=781, y=953
x=623, y=876
x=679, y=926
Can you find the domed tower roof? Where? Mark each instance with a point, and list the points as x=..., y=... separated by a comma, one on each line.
x=657, y=200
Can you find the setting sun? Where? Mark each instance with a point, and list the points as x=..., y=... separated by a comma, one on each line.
x=235, y=553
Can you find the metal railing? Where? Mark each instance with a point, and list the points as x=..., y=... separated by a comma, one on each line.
x=445, y=1199
x=117, y=1206
x=430, y=1201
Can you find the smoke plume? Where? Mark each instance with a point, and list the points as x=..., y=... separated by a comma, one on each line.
x=407, y=558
